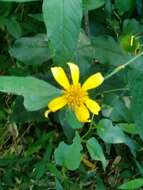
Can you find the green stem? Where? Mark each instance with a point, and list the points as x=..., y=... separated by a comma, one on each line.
x=90, y=128
x=112, y=90
x=123, y=66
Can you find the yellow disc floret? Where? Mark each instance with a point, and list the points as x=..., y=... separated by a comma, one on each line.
x=76, y=96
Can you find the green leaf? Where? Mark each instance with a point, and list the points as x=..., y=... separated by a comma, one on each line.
x=13, y=27
x=124, y=6
x=108, y=51
x=133, y=184
x=40, y=143
x=52, y=168
x=95, y=151
x=140, y=167
x=64, y=154
x=84, y=53
x=63, y=33
x=92, y=4
x=136, y=87
x=31, y=50
x=72, y=120
x=37, y=93
x=117, y=110
x=40, y=169
x=67, y=129
x=139, y=4
x=128, y=127
x=58, y=185
x=113, y=134
x=131, y=26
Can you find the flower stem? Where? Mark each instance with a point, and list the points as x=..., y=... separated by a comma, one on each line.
x=90, y=128
x=113, y=90
x=123, y=66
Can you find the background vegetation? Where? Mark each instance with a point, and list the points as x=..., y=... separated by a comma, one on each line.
x=59, y=152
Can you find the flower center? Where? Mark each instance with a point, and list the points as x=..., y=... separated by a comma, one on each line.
x=75, y=95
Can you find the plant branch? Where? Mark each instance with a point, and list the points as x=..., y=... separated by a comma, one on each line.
x=123, y=66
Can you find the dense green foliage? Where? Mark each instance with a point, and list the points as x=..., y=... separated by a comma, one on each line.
x=59, y=152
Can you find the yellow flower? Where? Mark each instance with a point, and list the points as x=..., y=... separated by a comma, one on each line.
x=75, y=95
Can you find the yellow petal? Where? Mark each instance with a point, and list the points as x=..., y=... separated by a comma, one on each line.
x=57, y=103
x=46, y=114
x=74, y=72
x=82, y=113
x=60, y=77
x=93, y=106
x=93, y=81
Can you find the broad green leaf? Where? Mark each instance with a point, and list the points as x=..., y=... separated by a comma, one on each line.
x=37, y=93
x=92, y=4
x=5, y=9
x=113, y=134
x=108, y=51
x=133, y=184
x=136, y=87
x=128, y=128
x=63, y=33
x=31, y=50
x=124, y=6
x=95, y=151
x=64, y=154
x=116, y=110
x=132, y=26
